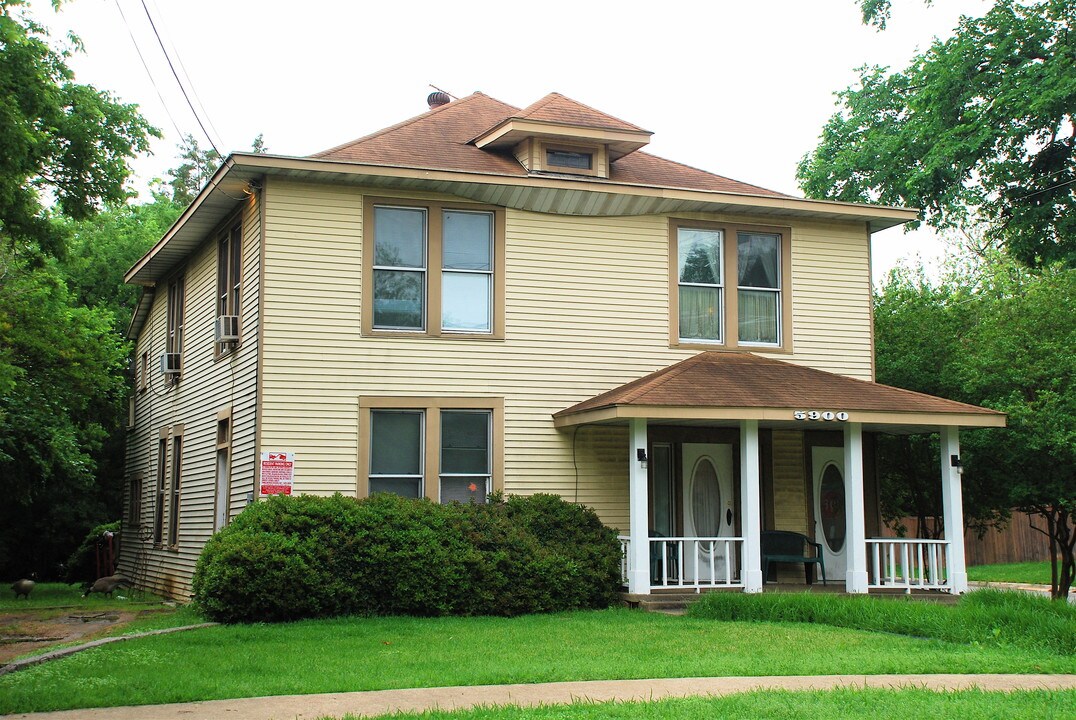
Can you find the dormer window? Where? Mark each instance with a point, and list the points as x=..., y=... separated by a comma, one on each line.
x=558, y=135
x=569, y=159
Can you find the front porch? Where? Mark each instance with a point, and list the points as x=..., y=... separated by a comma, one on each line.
x=723, y=446
x=694, y=563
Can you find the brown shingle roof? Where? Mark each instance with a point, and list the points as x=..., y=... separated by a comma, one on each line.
x=441, y=140
x=743, y=380
x=557, y=108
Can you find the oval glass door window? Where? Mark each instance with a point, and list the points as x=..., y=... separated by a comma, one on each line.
x=831, y=505
x=705, y=499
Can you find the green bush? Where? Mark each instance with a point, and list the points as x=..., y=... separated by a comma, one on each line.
x=306, y=556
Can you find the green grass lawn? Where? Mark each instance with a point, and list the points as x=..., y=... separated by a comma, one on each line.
x=349, y=654
x=784, y=705
x=1034, y=573
x=989, y=617
x=63, y=596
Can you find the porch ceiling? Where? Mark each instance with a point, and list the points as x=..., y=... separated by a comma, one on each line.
x=723, y=388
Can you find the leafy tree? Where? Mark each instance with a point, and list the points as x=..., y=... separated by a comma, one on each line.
x=997, y=335
x=979, y=130
x=193, y=172
x=877, y=12
x=61, y=389
x=58, y=139
x=1021, y=361
x=102, y=248
x=64, y=153
x=920, y=334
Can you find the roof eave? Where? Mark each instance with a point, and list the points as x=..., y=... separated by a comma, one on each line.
x=619, y=413
x=879, y=216
x=141, y=312
x=578, y=196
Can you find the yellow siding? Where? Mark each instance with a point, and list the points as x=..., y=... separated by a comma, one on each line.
x=586, y=310
x=206, y=386
x=831, y=297
x=789, y=493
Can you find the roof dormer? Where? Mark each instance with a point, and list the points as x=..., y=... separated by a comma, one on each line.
x=559, y=135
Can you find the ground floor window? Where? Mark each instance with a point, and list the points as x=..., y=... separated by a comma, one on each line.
x=446, y=449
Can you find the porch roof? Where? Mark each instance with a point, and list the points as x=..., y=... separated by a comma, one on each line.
x=726, y=387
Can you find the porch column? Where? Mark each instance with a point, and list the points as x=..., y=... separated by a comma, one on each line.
x=953, y=509
x=751, y=510
x=856, y=529
x=639, y=553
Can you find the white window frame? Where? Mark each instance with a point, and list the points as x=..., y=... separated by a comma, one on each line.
x=424, y=271
x=723, y=305
x=489, y=451
x=490, y=274
x=421, y=476
x=776, y=291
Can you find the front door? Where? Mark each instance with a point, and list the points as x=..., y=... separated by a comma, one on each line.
x=829, y=509
x=709, y=508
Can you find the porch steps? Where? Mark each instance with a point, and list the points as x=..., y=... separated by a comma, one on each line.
x=673, y=602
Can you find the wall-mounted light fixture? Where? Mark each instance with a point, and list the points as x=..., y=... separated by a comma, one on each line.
x=640, y=455
x=954, y=461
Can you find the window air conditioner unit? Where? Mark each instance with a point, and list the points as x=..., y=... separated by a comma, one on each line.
x=170, y=364
x=227, y=328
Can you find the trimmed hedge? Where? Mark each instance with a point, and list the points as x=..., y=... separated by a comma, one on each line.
x=306, y=556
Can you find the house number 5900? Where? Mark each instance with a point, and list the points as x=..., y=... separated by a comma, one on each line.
x=820, y=415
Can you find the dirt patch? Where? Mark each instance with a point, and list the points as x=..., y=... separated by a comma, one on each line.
x=25, y=632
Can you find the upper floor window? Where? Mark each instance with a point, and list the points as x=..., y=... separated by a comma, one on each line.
x=704, y=313
x=700, y=265
x=758, y=260
x=229, y=278
x=435, y=270
x=174, y=339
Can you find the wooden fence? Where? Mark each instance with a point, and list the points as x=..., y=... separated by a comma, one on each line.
x=1018, y=542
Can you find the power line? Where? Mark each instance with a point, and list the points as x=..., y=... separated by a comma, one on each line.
x=1047, y=189
x=190, y=84
x=178, y=82
x=179, y=133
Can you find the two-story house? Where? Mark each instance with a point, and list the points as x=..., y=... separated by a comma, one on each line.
x=484, y=298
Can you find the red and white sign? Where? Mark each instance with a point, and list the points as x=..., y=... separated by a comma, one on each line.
x=278, y=473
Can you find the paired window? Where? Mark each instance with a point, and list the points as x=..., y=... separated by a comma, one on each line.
x=223, y=494
x=173, y=507
x=174, y=340
x=446, y=450
x=229, y=280
x=168, y=486
x=712, y=307
x=436, y=270
x=162, y=470
x=143, y=372
x=134, y=502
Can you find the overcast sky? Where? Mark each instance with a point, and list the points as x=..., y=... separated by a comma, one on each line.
x=739, y=88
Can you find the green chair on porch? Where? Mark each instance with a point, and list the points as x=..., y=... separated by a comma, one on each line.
x=782, y=546
x=673, y=559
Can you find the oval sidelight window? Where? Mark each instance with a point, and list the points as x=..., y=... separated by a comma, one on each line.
x=831, y=507
x=705, y=499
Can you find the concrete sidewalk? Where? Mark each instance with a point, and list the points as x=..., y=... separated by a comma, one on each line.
x=380, y=702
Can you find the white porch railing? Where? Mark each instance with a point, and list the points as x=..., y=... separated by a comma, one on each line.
x=689, y=562
x=909, y=563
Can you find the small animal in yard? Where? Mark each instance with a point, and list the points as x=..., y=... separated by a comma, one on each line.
x=106, y=585
x=23, y=587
